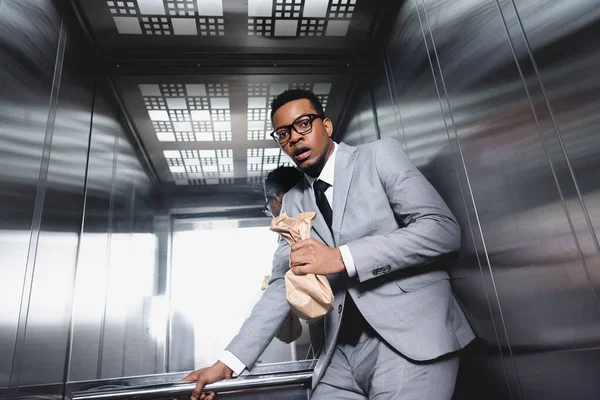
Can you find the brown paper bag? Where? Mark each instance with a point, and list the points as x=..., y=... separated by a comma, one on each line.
x=310, y=296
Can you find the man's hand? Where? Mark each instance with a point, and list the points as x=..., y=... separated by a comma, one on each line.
x=217, y=372
x=313, y=257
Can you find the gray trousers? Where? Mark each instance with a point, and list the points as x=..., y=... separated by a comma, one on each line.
x=371, y=369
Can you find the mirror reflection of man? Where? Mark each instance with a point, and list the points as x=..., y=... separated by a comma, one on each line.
x=381, y=235
x=277, y=184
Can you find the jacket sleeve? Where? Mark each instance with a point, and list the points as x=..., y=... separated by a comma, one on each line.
x=268, y=314
x=430, y=230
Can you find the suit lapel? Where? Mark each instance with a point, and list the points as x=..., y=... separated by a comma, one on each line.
x=344, y=167
x=309, y=203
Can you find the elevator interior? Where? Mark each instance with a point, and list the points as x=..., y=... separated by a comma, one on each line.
x=134, y=142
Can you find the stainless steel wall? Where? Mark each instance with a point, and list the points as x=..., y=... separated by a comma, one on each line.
x=59, y=186
x=116, y=288
x=497, y=103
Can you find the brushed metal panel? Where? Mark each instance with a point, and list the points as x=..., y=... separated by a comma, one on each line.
x=527, y=205
x=116, y=280
x=388, y=120
x=90, y=284
x=127, y=342
x=481, y=374
x=28, y=54
x=361, y=127
x=539, y=274
x=564, y=85
x=49, y=309
x=560, y=375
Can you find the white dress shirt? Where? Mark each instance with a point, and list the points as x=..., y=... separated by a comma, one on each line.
x=327, y=175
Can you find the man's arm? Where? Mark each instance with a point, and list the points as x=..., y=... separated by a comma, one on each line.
x=430, y=228
x=255, y=334
x=267, y=316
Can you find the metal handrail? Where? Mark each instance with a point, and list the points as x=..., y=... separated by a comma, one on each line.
x=185, y=389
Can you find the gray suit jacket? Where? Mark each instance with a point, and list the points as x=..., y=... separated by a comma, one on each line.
x=398, y=229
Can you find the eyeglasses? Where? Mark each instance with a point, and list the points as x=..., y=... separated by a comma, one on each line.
x=303, y=125
x=267, y=210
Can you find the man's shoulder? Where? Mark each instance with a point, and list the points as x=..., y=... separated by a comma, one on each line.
x=369, y=151
x=294, y=193
x=372, y=146
x=298, y=187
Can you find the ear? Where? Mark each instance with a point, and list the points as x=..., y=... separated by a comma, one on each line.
x=328, y=126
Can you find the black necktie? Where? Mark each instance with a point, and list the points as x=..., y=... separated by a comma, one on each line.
x=320, y=188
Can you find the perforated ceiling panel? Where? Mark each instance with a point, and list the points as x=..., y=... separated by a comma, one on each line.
x=200, y=167
x=188, y=112
x=210, y=18
x=299, y=17
x=202, y=131
x=261, y=161
x=168, y=17
x=128, y=32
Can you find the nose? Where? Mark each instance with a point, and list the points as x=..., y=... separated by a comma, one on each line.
x=295, y=137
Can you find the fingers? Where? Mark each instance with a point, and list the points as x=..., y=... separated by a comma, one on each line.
x=197, y=392
x=302, y=244
x=207, y=396
x=302, y=256
x=191, y=377
x=301, y=270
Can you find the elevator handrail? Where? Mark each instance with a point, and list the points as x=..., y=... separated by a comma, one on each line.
x=185, y=389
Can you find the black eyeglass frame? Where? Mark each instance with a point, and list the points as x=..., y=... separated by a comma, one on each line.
x=291, y=127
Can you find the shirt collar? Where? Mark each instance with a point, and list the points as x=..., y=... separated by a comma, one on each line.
x=328, y=170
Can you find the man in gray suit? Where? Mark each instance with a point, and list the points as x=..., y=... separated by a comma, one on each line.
x=381, y=235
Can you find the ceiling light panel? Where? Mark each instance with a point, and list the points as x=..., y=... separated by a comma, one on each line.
x=188, y=112
x=299, y=17
x=260, y=97
x=200, y=167
x=168, y=17
x=261, y=161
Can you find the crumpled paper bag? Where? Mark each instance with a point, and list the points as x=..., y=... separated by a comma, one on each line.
x=291, y=329
x=310, y=296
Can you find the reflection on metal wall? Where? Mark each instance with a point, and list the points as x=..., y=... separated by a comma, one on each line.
x=496, y=102
x=28, y=54
x=49, y=188
x=203, y=268
x=115, y=298
x=59, y=201
x=361, y=128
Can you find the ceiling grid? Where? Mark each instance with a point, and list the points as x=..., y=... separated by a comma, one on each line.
x=168, y=17
x=213, y=128
x=196, y=113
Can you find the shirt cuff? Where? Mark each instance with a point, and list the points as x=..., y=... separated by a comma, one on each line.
x=232, y=362
x=348, y=261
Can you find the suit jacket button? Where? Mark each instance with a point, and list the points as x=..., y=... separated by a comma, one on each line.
x=340, y=309
x=375, y=272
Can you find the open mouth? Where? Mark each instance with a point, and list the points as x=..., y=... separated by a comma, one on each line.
x=301, y=154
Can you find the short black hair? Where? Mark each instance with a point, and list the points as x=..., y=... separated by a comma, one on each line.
x=281, y=180
x=296, y=94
